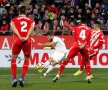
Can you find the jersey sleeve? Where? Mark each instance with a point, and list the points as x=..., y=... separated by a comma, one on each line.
x=32, y=22
x=100, y=43
x=12, y=21
x=55, y=40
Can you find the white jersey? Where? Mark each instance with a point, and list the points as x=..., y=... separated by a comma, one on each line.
x=59, y=44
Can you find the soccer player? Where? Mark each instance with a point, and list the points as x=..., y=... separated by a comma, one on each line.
x=58, y=55
x=22, y=27
x=82, y=35
x=96, y=43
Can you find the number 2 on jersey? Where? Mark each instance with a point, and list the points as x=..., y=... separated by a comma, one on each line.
x=82, y=34
x=24, y=25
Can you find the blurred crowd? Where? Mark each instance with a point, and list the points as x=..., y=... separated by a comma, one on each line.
x=50, y=15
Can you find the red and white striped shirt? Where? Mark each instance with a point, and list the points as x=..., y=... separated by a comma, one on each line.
x=97, y=39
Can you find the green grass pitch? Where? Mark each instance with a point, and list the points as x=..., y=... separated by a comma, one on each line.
x=66, y=82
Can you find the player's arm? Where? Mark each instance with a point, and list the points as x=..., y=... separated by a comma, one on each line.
x=82, y=45
x=100, y=43
x=15, y=30
x=47, y=44
x=30, y=30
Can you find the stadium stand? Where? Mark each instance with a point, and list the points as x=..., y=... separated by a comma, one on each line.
x=50, y=15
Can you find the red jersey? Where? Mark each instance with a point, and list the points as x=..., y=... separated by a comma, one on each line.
x=22, y=24
x=97, y=39
x=82, y=33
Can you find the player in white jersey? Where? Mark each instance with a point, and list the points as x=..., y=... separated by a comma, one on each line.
x=58, y=55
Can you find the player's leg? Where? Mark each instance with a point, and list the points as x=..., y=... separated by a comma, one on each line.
x=85, y=55
x=15, y=51
x=46, y=64
x=50, y=67
x=73, y=52
x=55, y=58
x=26, y=47
x=80, y=71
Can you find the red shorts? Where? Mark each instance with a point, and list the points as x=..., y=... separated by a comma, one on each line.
x=93, y=52
x=18, y=46
x=75, y=49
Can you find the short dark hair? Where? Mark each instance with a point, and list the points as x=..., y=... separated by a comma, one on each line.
x=22, y=10
x=83, y=19
x=50, y=33
x=97, y=22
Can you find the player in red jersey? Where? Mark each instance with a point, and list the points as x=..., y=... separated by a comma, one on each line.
x=96, y=43
x=82, y=35
x=22, y=27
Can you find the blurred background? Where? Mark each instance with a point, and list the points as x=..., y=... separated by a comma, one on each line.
x=50, y=15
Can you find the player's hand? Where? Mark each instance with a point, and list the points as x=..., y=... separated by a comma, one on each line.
x=40, y=44
x=23, y=39
x=91, y=48
x=82, y=46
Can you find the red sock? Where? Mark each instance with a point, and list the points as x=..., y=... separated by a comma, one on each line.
x=82, y=64
x=13, y=68
x=88, y=68
x=25, y=68
x=62, y=66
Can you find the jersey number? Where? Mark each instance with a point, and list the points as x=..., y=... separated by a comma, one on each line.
x=82, y=34
x=23, y=27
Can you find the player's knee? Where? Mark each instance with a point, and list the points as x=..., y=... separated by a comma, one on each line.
x=27, y=56
x=54, y=63
x=67, y=59
x=14, y=56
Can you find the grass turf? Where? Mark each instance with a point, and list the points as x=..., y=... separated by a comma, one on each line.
x=66, y=82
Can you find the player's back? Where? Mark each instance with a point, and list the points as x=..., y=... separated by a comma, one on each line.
x=82, y=33
x=22, y=24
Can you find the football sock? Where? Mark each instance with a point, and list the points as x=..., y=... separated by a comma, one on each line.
x=82, y=65
x=62, y=66
x=13, y=68
x=88, y=68
x=47, y=63
x=49, y=69
x=25, y=68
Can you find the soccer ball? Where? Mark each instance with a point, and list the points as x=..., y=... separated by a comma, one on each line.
x=40, y=65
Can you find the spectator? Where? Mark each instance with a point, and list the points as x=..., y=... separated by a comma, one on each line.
x=106, y=25
x=54, y=26
x=58, y=31
x=102, y=24
x=53, y=9
x=4, y=27
x=45, y=28
x=38, y=28
x=36, y=15
x=62, y=18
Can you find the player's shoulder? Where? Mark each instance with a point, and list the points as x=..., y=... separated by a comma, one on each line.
x=31, y=19
x=101, y=32
x=56, y=37
x=14, y=19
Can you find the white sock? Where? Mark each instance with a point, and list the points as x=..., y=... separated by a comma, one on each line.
x=50, y=68
x=47, y=63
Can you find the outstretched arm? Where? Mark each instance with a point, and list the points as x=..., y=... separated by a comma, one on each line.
x=47, y=44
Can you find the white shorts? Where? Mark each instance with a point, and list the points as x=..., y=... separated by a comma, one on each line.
x=58, y=56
